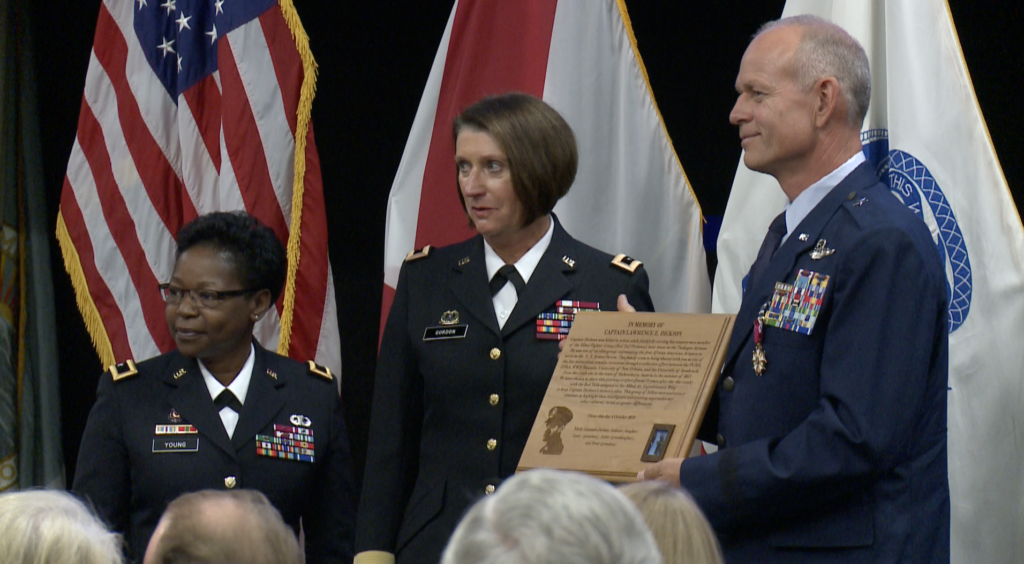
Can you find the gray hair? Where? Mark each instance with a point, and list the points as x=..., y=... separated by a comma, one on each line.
x=53, y=527
x=216, y=526
x=549, y=516
x=682, y=532
x=827, y=50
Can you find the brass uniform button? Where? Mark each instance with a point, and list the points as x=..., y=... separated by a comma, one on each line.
x=230, y=482
x=489, y=489
x=728, y=384
x=721, y=441
x=492, y=444
x=495, y=353
x=494, y=399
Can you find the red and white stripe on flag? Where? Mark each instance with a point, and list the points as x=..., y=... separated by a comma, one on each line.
x=630, y=194
x=193, y=107
x=925, y=129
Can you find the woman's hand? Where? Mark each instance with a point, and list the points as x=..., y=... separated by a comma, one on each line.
x=623, y=304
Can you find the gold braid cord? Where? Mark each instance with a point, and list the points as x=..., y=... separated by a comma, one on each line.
x=308, y=91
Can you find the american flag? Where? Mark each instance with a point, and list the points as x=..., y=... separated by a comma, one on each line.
x=193, y=106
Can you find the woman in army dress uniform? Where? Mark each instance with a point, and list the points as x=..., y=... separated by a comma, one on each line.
x=220, y=411
x=463, y=365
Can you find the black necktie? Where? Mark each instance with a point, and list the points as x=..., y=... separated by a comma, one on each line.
x=227, y=399
x=776, y=231
x=507, y=273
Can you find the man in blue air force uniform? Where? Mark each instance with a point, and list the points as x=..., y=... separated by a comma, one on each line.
x=831, y=407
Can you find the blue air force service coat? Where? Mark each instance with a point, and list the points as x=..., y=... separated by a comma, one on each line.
x=451, y=415
x=837, y=451
x=156, y=434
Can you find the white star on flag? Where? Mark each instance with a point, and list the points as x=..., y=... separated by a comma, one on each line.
x=169, y=4
x=218, y=5
x=213, y=34
x=167, y=46
x=182, y=22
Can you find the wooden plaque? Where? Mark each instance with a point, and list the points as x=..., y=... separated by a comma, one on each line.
x=629, y=389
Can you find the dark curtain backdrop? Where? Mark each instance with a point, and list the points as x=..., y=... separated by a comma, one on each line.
x=374, y=59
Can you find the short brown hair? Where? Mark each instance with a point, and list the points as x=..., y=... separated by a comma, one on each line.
x=210, y=526
x=540, y=146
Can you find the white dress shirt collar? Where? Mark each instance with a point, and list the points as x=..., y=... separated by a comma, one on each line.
x=506, y=298
x=799, y=208
x=239, y=386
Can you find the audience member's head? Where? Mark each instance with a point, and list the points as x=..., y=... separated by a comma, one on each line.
x=219, y=527
x=549, y=516
x=52, y=527
x=680, y=529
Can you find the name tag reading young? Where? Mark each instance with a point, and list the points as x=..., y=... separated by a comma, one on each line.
x=183, y=444
x=445, y=332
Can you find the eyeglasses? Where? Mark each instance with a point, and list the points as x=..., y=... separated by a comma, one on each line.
x=200, y=298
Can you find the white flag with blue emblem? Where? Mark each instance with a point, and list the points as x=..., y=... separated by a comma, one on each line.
x=925, y=132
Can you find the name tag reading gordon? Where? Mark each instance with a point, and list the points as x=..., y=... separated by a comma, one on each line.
x=188, y=444
x=445, y=332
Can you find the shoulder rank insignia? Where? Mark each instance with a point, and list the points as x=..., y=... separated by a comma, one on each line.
x=627, y=263
x=321, y=371
x=418, y=254
x=124, y=370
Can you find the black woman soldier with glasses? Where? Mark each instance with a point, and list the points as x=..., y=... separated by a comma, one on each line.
x=220, y=411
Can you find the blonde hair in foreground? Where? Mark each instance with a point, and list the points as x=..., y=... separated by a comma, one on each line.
x=53, y=527
x=682, y=532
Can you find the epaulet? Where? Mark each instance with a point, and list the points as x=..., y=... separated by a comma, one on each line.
x=123, y=370
x=418, y=254
x=321, y=371
x=627, y=263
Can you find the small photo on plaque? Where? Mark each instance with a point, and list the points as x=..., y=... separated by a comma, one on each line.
x=654, y=450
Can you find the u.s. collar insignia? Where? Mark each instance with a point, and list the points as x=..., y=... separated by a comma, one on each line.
x=463, y=261
x=450, y=317
x=174, y=416
x=272, y=374
x=821, y=251
x=571, y=263
x=300, y=420
x=179, y=373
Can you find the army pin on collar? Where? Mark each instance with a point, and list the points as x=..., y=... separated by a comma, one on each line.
x=821, y=251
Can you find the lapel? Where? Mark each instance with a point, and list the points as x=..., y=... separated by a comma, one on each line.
x=548, y=282
x=469, y=282
x=786, y=256
x=262, y=401
x=191, y=398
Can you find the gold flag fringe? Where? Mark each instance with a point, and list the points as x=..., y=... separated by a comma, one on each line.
x=308, y=91
x=91, y=316
x=650, y=92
